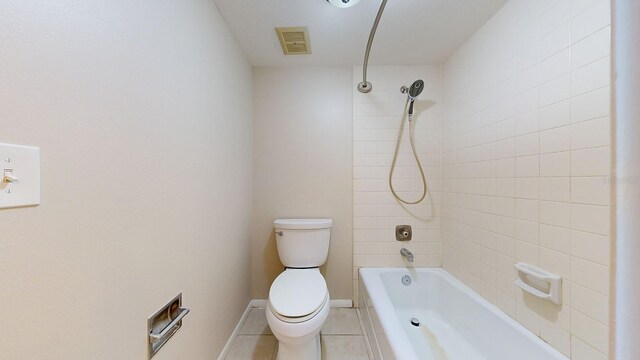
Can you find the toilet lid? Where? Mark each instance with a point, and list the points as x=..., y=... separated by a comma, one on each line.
x=298, y=292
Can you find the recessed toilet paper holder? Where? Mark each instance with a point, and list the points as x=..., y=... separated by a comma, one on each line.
x=539, y=282
x=165, y=323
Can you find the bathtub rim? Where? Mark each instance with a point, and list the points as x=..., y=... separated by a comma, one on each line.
x=401, y=346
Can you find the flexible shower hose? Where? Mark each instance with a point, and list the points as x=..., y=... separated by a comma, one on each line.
x=415, y=155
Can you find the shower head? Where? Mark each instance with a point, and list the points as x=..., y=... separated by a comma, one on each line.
x=415, y=89
x=412, y=92
x=343, y=3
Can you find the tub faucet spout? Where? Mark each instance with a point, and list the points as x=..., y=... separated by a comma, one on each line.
x=406, y=254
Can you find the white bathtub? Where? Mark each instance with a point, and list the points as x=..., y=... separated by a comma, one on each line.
x=455, y=322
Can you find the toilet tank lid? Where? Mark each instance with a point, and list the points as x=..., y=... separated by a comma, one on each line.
x=301, y=224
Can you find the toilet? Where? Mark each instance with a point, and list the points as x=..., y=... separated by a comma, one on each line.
x=298, y=298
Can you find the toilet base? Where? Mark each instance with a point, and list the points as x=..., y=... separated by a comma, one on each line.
x=307, y=351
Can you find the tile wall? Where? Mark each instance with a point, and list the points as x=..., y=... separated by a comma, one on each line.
x=376, y=120
x=525, y=165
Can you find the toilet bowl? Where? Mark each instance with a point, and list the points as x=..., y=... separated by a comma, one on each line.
x=299, y=301
x=297, y=308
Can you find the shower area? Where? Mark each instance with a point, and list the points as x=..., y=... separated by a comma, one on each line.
x=514, y=134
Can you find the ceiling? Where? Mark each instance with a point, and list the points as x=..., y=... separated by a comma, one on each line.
x=411, y=32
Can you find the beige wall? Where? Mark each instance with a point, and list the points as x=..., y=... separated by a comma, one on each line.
x=143, y=114
x=526, y=165
x=302, y=165
x=376, y=212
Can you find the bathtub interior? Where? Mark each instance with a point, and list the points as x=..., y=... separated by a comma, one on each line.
x=455, y=322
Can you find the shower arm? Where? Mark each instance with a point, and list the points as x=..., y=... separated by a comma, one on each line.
x=365, y=86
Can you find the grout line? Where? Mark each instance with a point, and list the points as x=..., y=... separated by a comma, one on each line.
x=585, y=315
x=274, y=353
x=515, y=217
x=516, y=239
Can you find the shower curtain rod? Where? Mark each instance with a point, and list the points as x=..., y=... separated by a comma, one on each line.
x=365, y=86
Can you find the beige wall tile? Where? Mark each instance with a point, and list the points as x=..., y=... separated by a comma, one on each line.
x=555, y=90
x=591, y=20
x=527, y=144
x=555, y=115
x=592, y=48
x=375, y=211
x=583, y=351
x=590, y=162
x=555, y=140
x=556, y=66
x=590, y=246
x=591, y=105
x=555, y=213
x=591, y=133
x=590, y=303
x=556, y=40
x=555, y=189
x=528, y=318
x=555, y=164
x=528, y=188
x=591, y=77
x=590, y=218
x=590, y=190
x=551, y=153
x=527, y=209
x=556, y=337
x=556, y=262
x=528, y=166
x=589, y=331
x=555, y=238
x=590, y=275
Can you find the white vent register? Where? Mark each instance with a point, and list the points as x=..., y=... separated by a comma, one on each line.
x=20, y=176
x=540, y=283
x=294, y=40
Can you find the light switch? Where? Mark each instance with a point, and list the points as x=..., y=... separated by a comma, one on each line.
x=8, y=176
x=20, y=171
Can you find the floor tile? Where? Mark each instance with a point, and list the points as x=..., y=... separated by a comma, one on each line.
x=253, y=347
x=344, y=347
x=342, y=321
x=255, y=324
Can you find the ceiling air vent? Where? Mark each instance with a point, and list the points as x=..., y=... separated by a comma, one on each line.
x=294, y=40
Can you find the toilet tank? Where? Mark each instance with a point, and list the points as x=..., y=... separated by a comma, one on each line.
x=303, y=243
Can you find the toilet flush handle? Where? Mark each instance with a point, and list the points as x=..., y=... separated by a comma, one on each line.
x=279, y=233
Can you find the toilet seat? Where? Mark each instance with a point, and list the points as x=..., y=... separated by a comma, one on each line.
x=297, y=295
x=301, y=319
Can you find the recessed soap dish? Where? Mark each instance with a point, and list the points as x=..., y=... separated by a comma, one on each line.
x=539, y=282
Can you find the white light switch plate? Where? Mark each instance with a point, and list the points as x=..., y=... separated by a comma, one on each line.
x=23, y=163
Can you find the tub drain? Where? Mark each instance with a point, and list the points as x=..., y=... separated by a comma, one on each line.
x=406, y=280
x=415, y=322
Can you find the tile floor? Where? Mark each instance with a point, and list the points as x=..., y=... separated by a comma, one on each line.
x=341, y=337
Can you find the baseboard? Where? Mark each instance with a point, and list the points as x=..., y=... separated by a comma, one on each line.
x=338, y=303
x=234, y=334
x=259, y=303
x=342, y=303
